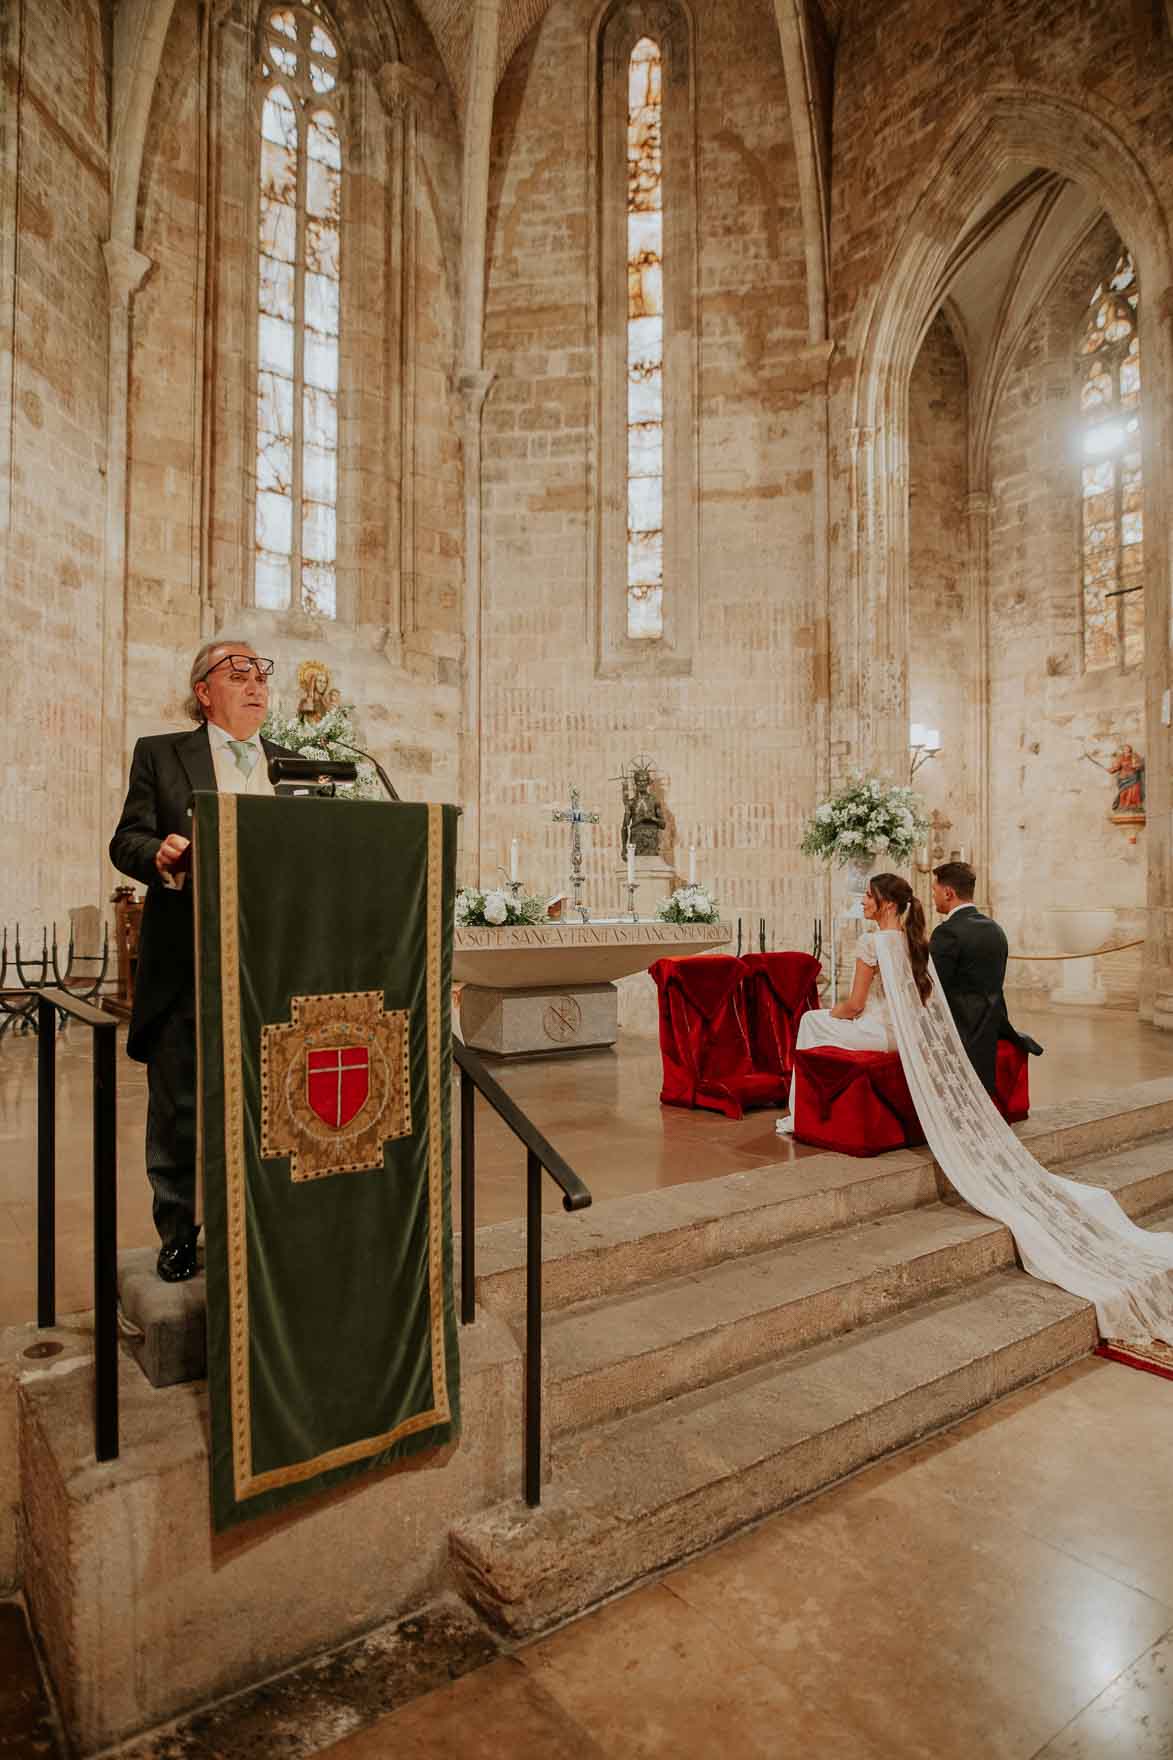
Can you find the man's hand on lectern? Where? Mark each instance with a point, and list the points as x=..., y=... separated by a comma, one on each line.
x=171, y=857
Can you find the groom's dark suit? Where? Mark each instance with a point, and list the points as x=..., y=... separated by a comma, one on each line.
x=969, y=951
x=165, y=772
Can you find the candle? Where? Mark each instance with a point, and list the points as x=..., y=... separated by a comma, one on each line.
x=631, y=864
x=692, y=864
x=514, y=848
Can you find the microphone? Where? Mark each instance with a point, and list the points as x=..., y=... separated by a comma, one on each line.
x=378, y=768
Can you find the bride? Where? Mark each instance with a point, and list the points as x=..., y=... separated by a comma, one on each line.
x=1068, y=1233
x=864, y=1021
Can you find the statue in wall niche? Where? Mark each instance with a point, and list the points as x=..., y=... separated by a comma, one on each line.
x=317, y=696
x=643, y=815
x=1127, y=767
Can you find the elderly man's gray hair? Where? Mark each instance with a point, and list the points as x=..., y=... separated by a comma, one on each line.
x=193, y=708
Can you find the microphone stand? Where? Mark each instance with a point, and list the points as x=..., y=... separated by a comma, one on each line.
x=374, y=762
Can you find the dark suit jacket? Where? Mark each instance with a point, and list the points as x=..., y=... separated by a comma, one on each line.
x=969, y=952
x=165, y=772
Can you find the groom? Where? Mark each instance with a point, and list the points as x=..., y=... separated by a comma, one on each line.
x=969, y=952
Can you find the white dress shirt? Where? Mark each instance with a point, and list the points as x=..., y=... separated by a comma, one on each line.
x=230, y=778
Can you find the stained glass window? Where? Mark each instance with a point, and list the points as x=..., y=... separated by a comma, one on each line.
x=298, y=294
x=645, y=343
x=1111, y=489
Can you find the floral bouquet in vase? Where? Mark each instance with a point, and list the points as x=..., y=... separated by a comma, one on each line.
x=867, y=819
x=688, y=904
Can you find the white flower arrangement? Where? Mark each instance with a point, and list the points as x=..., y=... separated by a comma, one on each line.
x=867, y=817
x=496, y=909
x=316, y=739
x=688, y=904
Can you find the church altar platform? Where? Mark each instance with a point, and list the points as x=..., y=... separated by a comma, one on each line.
x=550, y=987
x=551, y=954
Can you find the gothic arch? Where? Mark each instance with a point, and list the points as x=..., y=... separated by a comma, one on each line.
x=1005, y=127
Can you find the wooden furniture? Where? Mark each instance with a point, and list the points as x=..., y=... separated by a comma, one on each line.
x=128, y=919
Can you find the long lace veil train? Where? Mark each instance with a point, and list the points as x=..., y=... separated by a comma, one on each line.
x=1074, y=1235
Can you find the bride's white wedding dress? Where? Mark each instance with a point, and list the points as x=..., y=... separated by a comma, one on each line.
x=1074, y=1235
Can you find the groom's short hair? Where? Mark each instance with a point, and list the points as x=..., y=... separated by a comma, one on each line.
x=959, y=875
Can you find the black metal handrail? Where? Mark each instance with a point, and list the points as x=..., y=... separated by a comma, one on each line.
x=539, y=1155
x=50, y=1003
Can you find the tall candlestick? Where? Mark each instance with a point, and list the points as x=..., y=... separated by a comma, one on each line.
x=631, y=864
x=514, y=849
x=692, y=864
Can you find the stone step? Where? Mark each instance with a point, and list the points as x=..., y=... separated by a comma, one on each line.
x=1140, y=1177
x=621, y=1353
x=647, y=1490
x=626, y=1243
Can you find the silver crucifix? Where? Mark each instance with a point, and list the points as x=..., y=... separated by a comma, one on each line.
x=575, y=815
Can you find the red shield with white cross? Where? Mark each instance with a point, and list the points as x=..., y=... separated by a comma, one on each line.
x=337, y=1082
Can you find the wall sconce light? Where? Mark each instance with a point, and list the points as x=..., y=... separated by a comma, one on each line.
x=923, y=743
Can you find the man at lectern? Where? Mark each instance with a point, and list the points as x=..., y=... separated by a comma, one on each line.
x=229, y=700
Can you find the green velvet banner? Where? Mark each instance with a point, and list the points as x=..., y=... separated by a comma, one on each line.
x=324, y=959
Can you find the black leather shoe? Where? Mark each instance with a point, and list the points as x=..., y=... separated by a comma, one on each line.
x=177, y=1260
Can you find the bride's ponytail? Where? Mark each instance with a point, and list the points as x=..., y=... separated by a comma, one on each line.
x=893, y=890
x=918, y=946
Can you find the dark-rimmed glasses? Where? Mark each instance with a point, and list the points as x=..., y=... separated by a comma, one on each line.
x=240, y=665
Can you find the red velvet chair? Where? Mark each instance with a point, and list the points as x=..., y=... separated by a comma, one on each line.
x=1012, y=1082
x=779, y=988
x=854, y=1102
x=703, y=1043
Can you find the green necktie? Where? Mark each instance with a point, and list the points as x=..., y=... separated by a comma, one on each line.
x=245, y=754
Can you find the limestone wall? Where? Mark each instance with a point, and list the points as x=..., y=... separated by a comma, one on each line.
x=53, y=315
x=937, y=111
x=1053, y=846
x=394, y=649
x=735, y=739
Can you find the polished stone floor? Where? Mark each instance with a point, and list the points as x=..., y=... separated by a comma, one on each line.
x=1003, y=1591
x=598, y=1108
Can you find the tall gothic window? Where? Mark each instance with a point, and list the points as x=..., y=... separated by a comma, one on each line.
x=298, y=296
x=645, y=533
x=1112, y=515
x=645, y=343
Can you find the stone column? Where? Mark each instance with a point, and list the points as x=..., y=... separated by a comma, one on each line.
x=403, y=93
x=1156, y=983
x=978, y=505
x=474, y=387
x=875, y=653
x=126, y=270
x=474, y=382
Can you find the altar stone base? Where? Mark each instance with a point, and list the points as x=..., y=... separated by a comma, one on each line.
x=519, y=1023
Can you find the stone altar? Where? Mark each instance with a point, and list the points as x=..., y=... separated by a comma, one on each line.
x=550, y=986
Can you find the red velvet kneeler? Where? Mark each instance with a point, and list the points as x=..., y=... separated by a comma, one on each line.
x=858, y=1103
x=854, y=1102
x=1012, y=1082
x=779, y=988
x=703, y=1044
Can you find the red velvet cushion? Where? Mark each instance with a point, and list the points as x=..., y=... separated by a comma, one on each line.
x=779, y=988
x=854, y=1102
